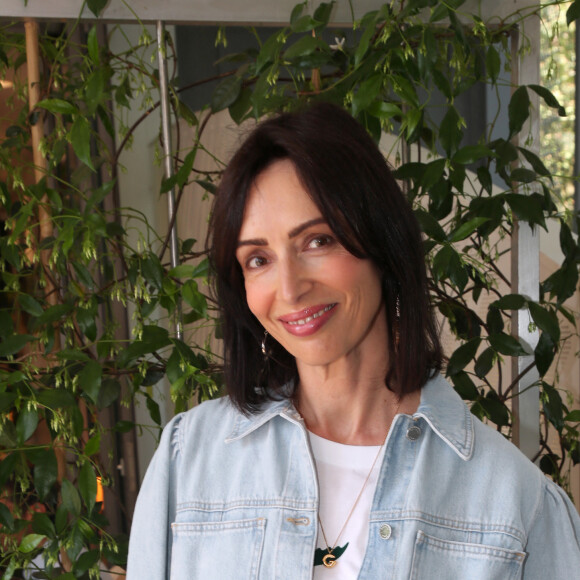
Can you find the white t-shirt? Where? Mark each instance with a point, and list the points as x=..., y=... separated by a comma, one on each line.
x=342, y=470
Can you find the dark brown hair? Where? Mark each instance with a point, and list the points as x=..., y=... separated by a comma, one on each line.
x=349, y=181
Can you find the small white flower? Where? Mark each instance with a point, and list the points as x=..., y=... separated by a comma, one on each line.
x=339, y=43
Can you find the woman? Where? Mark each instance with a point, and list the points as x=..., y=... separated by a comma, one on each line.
x=340, y=451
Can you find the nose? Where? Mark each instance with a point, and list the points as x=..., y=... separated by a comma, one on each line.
x=293, y=280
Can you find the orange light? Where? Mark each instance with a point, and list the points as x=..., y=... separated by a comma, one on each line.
x=100, y=492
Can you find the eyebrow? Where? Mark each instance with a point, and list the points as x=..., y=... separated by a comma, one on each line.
x=291, y=234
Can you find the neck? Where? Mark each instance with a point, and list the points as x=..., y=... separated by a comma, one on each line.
x=351, y=412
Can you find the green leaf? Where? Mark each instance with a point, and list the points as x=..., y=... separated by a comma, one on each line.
x=80, y=137
x=71, y=500
x=510, y=302
x=97, y=6
x=429, y=225
x=56, y=398
x=182, y=271
x=45, y=472
x=154, y=339
x=364, y=42
x=544, y=353
x=562, y=283
x=546, y=320
x=465, y=386
x=573, y=416
x=413, y=122
x=93, y=45
x=8, y=467
x=494, y=321
x=6, y=518
x=296, y=13
x=226, y=93
x=42, y=524
x=462, y=356
x=90, y=379
x=6, y=323
x=495, y=410
x=573, y=12
x=6, y=401
x=536, y=163
x=553, y=406
x=518, y=110
x=194, y=297
x=492, y=63
x=26, y=424
x=87, y=485
x=549, y=99
x=86, y=319
x=433, y=173
x=109, y=393
x=30, y=542
x=322, y=13
x=152, y=271
x=269, y=51
x=485, y=362
x=242, y=106
x=154, y=411
x=471, y=154
x=29, y=304
x=505, y=344
x=84, y=562
x=527, y=208
x=466, y=229
x=58, y=106
x=302, y=47
x=367, y=93
x=93, y=445
x=14, y=344
x=383, y=110
x=450, y=133
x=523, y=175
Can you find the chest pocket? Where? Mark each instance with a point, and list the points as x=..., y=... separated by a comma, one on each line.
x=445, y=560
x=217, y=550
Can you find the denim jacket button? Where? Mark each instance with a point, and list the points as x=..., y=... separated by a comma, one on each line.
x=413, y=433
x=385, y=531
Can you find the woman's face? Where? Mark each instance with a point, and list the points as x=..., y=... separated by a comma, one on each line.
x=321, y=303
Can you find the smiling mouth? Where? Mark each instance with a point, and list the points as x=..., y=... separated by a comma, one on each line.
x=311, y=317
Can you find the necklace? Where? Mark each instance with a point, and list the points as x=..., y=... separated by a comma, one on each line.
x=330, y=555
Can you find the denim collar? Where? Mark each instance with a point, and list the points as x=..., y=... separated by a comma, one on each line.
x=441, y=407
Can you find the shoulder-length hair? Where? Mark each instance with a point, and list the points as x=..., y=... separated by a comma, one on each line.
x=348, y=179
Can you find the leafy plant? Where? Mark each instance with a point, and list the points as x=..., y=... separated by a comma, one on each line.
x=72, y=260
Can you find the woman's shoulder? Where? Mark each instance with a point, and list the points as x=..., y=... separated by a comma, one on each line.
x=205, y=417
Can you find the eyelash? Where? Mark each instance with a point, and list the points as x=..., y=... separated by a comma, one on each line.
x=325, y=238
x=319, y=241
x=249, y=261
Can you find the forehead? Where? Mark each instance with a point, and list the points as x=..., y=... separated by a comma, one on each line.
x=277, y=198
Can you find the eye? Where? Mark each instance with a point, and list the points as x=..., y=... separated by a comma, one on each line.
x=255, y=262
x=320, y=241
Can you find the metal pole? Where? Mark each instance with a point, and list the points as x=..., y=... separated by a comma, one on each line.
x=166, y=133
x=525, y=256
x=577, y=128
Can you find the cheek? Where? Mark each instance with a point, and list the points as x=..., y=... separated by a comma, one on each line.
x=351, y=274
x=257, y=299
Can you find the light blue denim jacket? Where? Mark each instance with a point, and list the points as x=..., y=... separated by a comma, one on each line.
x=229, y=497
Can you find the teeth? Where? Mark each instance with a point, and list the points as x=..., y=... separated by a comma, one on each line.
x=306, y=320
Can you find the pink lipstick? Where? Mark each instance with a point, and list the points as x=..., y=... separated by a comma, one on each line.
x=307, y=321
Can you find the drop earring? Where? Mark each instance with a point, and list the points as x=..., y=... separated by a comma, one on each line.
x=397, y=321
x=264, y=350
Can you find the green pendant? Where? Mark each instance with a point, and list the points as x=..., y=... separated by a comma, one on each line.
x=327, y=557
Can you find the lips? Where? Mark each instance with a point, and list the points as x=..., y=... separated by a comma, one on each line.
x=309, y=320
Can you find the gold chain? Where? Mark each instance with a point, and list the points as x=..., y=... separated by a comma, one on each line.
x=330, y=560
